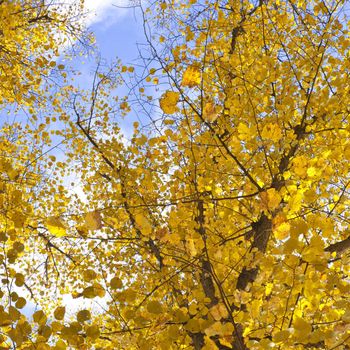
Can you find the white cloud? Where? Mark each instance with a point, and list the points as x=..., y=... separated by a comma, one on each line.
x=106, y=11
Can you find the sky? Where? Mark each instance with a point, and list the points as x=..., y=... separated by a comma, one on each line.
x=117, y=28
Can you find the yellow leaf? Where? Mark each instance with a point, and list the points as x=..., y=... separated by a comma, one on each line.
x=346, y=316
x=20, y=303
x=270, y=199
x=93, y=221
x=59, y=313
x=15, y=336
x=209, y=344
x=12, y=174
x=143, y=224
x=271, y=132
x=180, y=315
x=173, y=332
x=96, y=290
x=39, y=317
x=18, y=219
x=5, y=321
x=302, y=328
x=168, y=102
x=116, y=283
x=300, y=166
x=210, y=112
x=19, y=280
x=89, y=292
x=191, y=247
x=281, y=336
x=243, y=131
x=56, y=226
x=268, y=288
x=83, y=315
x=228, y=329
x=218, y=312
x=60, y=345
x=291, y=244
x=191, y=76
x=311, y=172
x=193, y=325
x=89, y=275
x=282, y=231
x=154, y=307
x=14, y=313
x=93, y=332
x=274, y=198
x=218, y=328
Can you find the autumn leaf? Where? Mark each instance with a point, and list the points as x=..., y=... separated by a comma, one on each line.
x=116, y=283
x=154, y=307
x=59, y=312
x=223, y=215
x=210, y=112
x=93, y=221
x=168, y=102
x=191, y=77
x=271, y=132
x=56, y=226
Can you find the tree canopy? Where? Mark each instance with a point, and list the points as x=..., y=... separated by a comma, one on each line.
x=222, y=223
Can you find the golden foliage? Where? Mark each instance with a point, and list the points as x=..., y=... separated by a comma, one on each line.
x=223, y=224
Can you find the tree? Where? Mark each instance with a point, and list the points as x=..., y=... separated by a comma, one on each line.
x=223, y=222
x=32, y=36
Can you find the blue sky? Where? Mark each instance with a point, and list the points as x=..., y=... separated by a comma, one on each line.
x=117, y=31
x=120, y=37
